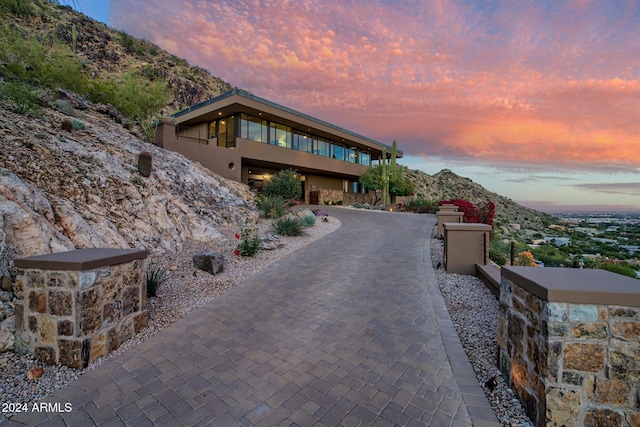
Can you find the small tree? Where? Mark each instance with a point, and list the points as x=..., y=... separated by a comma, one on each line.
x=371, y=180
x=285, y=184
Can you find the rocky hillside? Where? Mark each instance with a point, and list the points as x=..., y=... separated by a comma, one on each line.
x=110, y=53
x=81, y=188
x=447, y=185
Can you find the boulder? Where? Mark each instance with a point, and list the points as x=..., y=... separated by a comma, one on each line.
x=305, y=212
x=269, y=242
x=7, y=334
x=211, y=262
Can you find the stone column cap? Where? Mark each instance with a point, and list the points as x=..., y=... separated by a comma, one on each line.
x=466, y=226
x=81, y=259
x=449, y=213
x=576, y=285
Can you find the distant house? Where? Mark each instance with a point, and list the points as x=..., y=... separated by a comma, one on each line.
x=248, y=139
x=558, y=241
x=632, y=249
x=605, y=241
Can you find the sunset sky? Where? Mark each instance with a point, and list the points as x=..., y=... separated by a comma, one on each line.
x=538, y=101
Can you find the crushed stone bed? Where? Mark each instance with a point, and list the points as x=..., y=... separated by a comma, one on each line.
x=474, y=311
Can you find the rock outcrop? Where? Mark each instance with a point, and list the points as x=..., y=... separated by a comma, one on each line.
x=62, y=190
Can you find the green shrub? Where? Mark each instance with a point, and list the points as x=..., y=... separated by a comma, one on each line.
x=249, y=243
x=288, y=226
x=156, y=276
x=78, y=125
x=308, y=220
x=20, y=98
x=497, y=257
x=624, y=269
x=17, y=7
x=285, y=184
x=421, y=205
x=272, y=206
x=63, y=107
x=46, y=63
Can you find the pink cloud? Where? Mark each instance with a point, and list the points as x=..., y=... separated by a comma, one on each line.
x=515, y=82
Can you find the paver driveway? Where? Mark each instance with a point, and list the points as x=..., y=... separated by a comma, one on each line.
x=350, y=330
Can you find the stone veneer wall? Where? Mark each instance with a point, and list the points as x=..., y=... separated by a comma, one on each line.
x=75, y=317
x=335, y=196
x=571, y=364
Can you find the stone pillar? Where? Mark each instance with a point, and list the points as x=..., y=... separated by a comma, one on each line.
x=447, y=216
x=465, y=245
x=75, y=307
x=569, y=343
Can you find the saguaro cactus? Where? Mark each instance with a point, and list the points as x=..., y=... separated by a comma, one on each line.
x=144, y=163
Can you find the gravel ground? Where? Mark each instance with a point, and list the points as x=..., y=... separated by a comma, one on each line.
x=471, y=305
x=474, y=311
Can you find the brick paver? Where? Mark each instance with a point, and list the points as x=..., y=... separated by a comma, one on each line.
x=350, y=330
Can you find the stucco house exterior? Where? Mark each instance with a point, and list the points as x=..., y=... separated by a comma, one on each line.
x=248, y=139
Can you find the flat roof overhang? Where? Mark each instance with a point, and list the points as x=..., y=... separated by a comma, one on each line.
x=238, y=101
x=273, y=167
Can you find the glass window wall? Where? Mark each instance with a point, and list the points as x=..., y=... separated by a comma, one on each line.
x=350, y=155
x=260, y=130
x=322, y=147
x=364, y=158
x=338, y=151
x=254, y=128
x=281, y=135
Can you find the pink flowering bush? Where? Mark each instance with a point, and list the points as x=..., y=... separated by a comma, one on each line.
x=483, y=214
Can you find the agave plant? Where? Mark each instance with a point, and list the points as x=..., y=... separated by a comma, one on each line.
x=157, y=276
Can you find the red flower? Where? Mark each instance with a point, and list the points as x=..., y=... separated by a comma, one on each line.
x=236, y=252
x=237, y=236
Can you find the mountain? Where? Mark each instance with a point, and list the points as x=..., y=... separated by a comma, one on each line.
x=447, y=185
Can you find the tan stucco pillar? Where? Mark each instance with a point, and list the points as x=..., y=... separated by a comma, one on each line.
x=465, y=245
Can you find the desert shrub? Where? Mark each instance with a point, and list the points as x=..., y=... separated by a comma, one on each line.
x=272, y=206
x=249, y=243
x=308, y=220
x=624, y=269
x=421, y=205
x=156, y=276
x=20, y=98
x=497, y=257
x=285, y=184
x=47, y=63
x=63, y=107
x=17, y=7
x=78, y=125
x=525, y=259
x=288, y=226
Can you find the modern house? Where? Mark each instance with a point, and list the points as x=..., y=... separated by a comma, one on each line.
x=248, y=139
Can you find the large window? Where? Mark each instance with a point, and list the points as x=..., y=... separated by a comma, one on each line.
x=351, y=155
x=303, y=142
x=280, y=135
x=364, y=158
x=338, y=151
x=225, y=131
x=260, y=130
x=322, y=147
x=254, y=128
